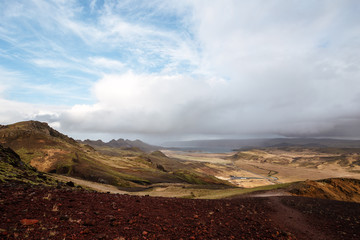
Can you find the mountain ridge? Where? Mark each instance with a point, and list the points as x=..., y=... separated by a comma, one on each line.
x=243, y=144
x=121, y=143
x=50, y=151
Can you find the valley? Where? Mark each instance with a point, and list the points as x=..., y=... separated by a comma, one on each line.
x=118, y=163
x=137, y=168
x=268, y=166
x=54, y=187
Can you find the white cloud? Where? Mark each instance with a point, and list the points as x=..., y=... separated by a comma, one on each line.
x=92, y=5
x=14, y=111
x=50, y=63
x=223, y=67
x=108, y=64
x=276, y=61
x=147, y=103
x=287, y=73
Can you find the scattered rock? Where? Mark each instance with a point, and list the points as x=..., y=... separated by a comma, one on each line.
x=101, y=236
x=3, y=232
x=53, y=233
x=64, y=218
x=85, y=231
x=28, y=222
x=89, y=222
x=115, y=223
x=70, y=184
x=55, y=208
x=163, y=218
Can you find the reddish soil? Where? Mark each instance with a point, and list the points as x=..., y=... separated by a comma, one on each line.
x=34, y=212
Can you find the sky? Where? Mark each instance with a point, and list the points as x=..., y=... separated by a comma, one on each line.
x=162, y=70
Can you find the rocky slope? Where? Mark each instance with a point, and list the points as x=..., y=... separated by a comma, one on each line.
x=13, y=169
x=341, y=189
x=35, y=212
x=40, y=145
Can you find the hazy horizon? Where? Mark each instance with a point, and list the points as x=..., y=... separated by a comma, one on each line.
x=182, y=70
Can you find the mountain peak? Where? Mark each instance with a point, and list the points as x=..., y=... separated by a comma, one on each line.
x=31, y=128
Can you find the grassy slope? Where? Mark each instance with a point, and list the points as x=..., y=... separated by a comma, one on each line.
x=12, y=168
x=156, y=167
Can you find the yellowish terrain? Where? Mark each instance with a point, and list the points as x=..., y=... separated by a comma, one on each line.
x=255, y=168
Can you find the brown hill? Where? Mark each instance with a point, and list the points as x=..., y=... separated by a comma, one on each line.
x=51, y=151
x=342, y=189
x=40, y=145
x=31, y=133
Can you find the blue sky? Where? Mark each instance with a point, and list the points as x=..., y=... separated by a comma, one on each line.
x=61, y=48
x=163, y=70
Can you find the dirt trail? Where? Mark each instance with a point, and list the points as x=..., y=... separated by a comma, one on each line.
x=294, y=221
x=271, y=193
x=88, y=184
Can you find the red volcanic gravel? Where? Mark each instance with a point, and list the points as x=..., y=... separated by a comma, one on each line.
x=34, y=212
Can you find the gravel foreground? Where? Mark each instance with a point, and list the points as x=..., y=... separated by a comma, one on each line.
x=37, y=212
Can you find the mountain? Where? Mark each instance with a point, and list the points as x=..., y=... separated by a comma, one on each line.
x=50, y=151
x=41, y=146
x=30, y=133
x=226, y=145
x=121, y=143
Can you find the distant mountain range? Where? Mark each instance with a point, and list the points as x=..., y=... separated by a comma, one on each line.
x=121, y=143
x=226, y=145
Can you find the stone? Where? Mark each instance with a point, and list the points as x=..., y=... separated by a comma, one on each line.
x=28, y=222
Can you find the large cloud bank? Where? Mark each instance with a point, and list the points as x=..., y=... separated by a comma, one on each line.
x=260, y=67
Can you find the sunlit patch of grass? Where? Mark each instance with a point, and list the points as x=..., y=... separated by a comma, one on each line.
x=197, y=178
x=27, y=174
x=28, y=154
x=226, y=193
